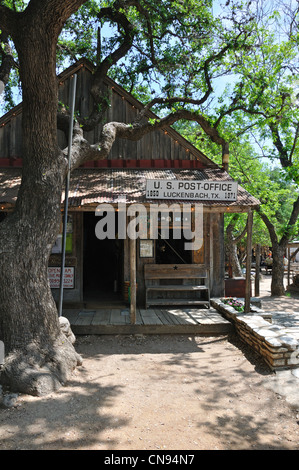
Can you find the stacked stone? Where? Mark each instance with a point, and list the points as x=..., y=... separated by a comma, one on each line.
x=279, y=349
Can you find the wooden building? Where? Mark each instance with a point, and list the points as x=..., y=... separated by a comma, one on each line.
x=151, y=270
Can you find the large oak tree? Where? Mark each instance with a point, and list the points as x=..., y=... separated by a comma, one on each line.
x=176, y=44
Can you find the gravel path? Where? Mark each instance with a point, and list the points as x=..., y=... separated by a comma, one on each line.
x=161, y=393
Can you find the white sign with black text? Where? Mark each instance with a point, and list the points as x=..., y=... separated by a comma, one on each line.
x=199, y=190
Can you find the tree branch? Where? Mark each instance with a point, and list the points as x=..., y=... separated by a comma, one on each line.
x=137, y=129
x=8, y=18
x=294, y=143
x=134, y=131
x=269, y=225
x=289, y=231
x=100, y=102
x=8, y=61
x=282, y=152
x=231, y=227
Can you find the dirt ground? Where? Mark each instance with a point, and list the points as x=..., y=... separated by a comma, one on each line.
x=156, y=393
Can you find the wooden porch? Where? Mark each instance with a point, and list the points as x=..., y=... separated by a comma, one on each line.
x=112, y=321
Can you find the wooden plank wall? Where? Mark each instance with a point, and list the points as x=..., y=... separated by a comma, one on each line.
x=157, y=145
x=10, y=138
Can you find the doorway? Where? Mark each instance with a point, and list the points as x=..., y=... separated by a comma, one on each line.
x=102, y=264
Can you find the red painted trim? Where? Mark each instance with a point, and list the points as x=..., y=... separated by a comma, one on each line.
x=10, y=162
x=4, y=162
x=18, y=162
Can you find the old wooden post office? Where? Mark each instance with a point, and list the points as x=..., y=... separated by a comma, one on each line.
x=161, y=168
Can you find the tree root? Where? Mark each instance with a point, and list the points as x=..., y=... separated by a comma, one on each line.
x=40, y=370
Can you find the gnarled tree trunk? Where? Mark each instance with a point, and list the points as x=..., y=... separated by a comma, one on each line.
x=279, y=248
x=39, y=358
x=277, y=285
x=231, y=246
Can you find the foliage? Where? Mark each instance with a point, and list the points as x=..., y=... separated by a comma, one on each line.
x=78, y=38
x=233, y=302
x=268, y=184
x=178, y=47
x=263, y=99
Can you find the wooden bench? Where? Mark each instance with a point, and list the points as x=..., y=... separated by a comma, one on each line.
x=176, y=284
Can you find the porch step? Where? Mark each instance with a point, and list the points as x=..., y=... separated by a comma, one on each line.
x=104, y=321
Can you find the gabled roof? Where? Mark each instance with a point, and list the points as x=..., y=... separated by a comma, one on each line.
x=129, y=98
x=138, y=105
x=94, y=186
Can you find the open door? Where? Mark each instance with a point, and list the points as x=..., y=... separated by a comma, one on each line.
x=102, y=264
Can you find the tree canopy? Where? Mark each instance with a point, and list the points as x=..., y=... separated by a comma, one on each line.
x=205, y=61
x=170, y=54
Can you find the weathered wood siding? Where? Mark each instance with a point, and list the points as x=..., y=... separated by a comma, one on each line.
x=11, y=138
x=156, y=145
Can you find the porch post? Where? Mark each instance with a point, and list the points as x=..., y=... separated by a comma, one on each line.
x=132, y=243
x=248, y=261
x=257, y=270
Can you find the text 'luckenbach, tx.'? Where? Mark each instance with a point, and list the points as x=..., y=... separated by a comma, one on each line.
x=192, y=190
